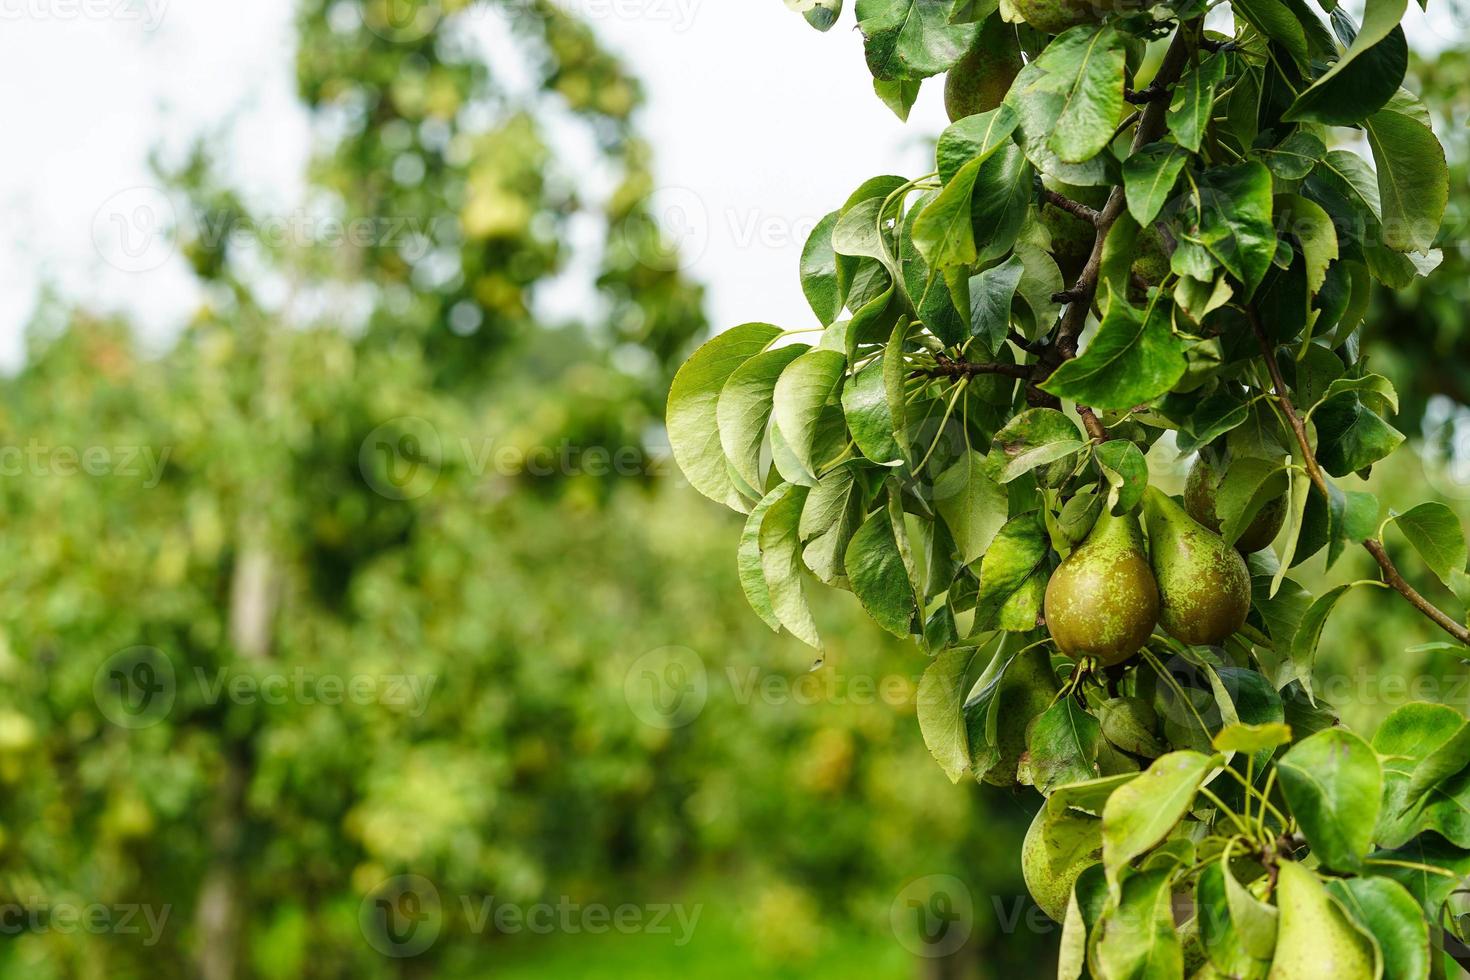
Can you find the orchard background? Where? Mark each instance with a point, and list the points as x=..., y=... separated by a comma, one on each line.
x=363, y=625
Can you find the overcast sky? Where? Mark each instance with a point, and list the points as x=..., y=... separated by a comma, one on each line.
x=761, y=126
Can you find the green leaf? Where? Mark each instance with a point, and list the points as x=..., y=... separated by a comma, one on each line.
x=833, y=509
x=1249, y=484
x=1309, y=633
x=1317, y=938
x=1148, y=178
x=780, y=548
x=1365, y=77
x=744, y=409
x=1375, y=390
x=1130, y=723
x=821, y=14
x=1295, y=157
x=1193, y=102
x=1273, y=19
x=1134, y=358
x=1012, y=583
x=974, y=137
x=1063, y=743
x=879, y=576
x=1034, y=438
x=940, y=710
x=1218, y=932
x=1126, y=470
x=1255, y=923
x=1236, y=221
x=1137, y=939
x=1436, y=533
x=1422, y=746
x=991, y=294
x=912, y=38
x=1386, y=911
x=1429, y=889
x=974, y=507
x=898, y=94
x=869, y=417
x=1334, y=784
x=1351, y=436
x=693, y=426
x=1139, y=815
x=861, y=233
x=1241, y=737
x=1002, y=198
x=1413, y=180
x=1085, y=67
x=749, y=562
x=1037, y=99
x=820, y=282
x=1314, y=232
x=944, y=233
x=801, y=393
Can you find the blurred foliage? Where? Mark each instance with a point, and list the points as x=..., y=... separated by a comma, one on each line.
x=378, y=451
x=1419, y=336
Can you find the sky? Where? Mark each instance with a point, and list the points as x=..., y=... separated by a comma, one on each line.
x=761, y=125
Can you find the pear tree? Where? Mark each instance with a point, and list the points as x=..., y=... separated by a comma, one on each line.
x=1151, y=233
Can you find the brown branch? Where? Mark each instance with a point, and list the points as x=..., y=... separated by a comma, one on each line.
x=1093, y=424
x=945, y=367
x=1143, y=96
x=1391, y=574
x=1072, y=207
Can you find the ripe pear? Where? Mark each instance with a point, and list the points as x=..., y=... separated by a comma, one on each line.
x=1056, y=850
x=1103, y=601
x=981, y=79
x=1056, y=16
x=1199, y=501
x=1152, y=262
x=1204, y=586
x=1316, y=938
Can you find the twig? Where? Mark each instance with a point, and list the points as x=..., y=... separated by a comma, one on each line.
x=1076, y=208
x=1391, y=574
x=1143, y=96
x=945, y=367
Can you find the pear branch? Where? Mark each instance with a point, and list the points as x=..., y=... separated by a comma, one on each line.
x=1391, y=574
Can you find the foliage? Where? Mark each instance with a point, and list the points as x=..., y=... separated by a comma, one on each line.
x=981, y=390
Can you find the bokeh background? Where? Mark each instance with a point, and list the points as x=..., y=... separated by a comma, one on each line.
x=355, y=621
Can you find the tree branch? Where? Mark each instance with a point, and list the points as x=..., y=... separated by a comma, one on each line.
x=945, y=367
x=1076, y=208
x=1391, y=574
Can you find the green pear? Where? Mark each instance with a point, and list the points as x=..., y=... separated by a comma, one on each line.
x=1204, y=586
x=1316, y=940
x=1103, y=601
x=1056, y=850
x=1199, y=502
x=1152, y=262
x=1056, y=16
x=981, y=79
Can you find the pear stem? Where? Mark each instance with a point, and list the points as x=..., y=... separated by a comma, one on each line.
x=1391, y=575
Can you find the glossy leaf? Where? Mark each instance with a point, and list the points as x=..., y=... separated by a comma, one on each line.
x=1334, y=784
x=1134, y=358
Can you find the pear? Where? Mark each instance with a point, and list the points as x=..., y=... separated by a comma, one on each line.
x=1199, y=501
x=1316, y=938
x=1056, y=850
x=1103, y=601
x=981, y=79
x=1028, y=688
x=1204, y=585
x=1056, y=16
x=1152, y=262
